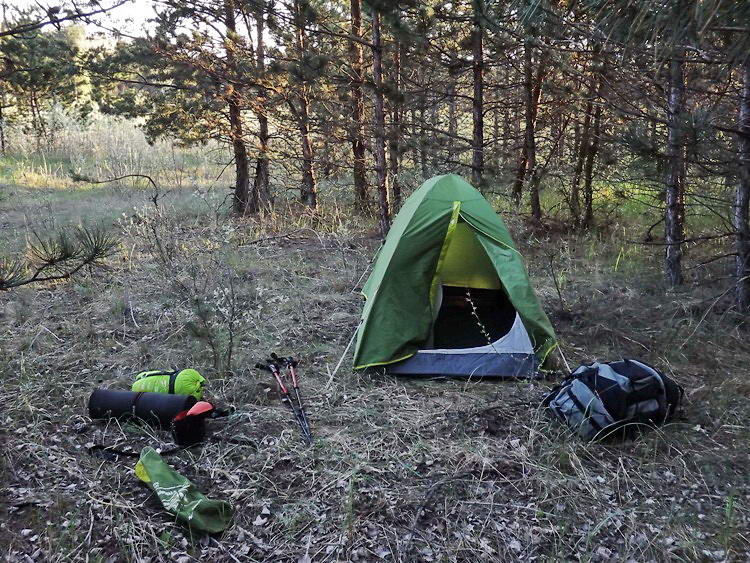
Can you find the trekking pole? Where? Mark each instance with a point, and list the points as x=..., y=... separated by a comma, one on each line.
x=273, y=367
x=291, y=365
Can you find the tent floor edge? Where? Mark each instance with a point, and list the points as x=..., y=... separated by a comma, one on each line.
x=472, y=365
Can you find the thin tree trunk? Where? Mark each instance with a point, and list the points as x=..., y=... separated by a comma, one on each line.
x=520, y=173
x=742, y=199
x=434, y=150
x=38, y=122
x=395, y=140
x=327, y=165
x=309, y=189
x=358, y=108
x=261, y=187
x=530, y=134
x=588, y=187
x=477, y=48
x=561, y=124
x=452, y=123
x=507, y=134
x=674, y=211
x=579, y=145
x=523, y=164
x=580, y=156
x=379, y=125
x=422, y=134
x=2, y=124
x=496, y=139
x=534, y=87
x=414, y=136
x=592, y=139
x=243, y=202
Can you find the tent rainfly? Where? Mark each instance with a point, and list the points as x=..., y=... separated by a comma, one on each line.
x=449, y=293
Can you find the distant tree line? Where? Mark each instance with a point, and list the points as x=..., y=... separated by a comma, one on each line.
x=567, y=110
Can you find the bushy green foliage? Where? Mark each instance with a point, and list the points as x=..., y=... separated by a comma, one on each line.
x=42, y=71
x=138, y=80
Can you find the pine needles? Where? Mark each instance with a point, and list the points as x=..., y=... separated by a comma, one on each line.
x=58, y=257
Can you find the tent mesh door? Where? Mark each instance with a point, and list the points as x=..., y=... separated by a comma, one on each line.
x=457, y=327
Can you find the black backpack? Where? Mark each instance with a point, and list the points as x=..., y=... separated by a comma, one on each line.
x=614, y=399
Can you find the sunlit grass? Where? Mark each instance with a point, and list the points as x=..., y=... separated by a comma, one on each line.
x=103, y=149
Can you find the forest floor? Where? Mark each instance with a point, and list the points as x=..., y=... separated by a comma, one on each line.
x=400, y=470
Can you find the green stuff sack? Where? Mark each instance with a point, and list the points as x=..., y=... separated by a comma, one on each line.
x=180, y=497
x=177, y=382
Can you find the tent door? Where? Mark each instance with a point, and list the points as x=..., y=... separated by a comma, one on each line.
x=459, y=325
x=467, y=277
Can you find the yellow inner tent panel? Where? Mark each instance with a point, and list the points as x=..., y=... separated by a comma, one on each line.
x=466, y=264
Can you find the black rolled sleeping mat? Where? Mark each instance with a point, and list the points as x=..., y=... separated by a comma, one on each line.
x=154, y=408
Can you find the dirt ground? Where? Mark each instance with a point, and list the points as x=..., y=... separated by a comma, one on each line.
x=401, y=469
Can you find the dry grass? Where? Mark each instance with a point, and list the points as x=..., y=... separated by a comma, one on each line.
x=401, y=470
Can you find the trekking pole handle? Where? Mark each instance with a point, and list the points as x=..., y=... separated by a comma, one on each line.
x=274, y=369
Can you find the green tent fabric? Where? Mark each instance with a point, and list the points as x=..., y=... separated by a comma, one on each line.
x=399, y=311
x=180, y=497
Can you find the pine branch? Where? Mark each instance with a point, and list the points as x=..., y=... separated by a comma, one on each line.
x=56, y=258
x=53, y=19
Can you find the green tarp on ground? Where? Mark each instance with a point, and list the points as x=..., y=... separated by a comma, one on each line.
x=179, y=496
x=398, y=312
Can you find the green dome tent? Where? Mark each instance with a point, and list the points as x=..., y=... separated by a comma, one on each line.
x=449, y=293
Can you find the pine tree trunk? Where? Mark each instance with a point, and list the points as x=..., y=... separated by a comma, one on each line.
x=358, y=108
x=379, y=125
x=37, y=121
x=414, y=135
x=477, y=48
x=496, y=139
x=532, y=88
x=561, y=125
x=592, y=138
x=452, y=124
x=327, y=164
x=530, y=136
x=309, y=189
x=395, y=137
x=742, y=199
x=588, y=185
x=434, y=149
x=422, y=134
x=674, y=212
x=2, y=124
x=262, y=191
x=579, y=153
x=242, y=203
x=508, y=132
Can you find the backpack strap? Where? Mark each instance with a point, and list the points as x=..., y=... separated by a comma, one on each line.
x=172, y=377
x=172, y=380
x=156, y=373
x=135, y=402
x=584, y=410
x=552, y=393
